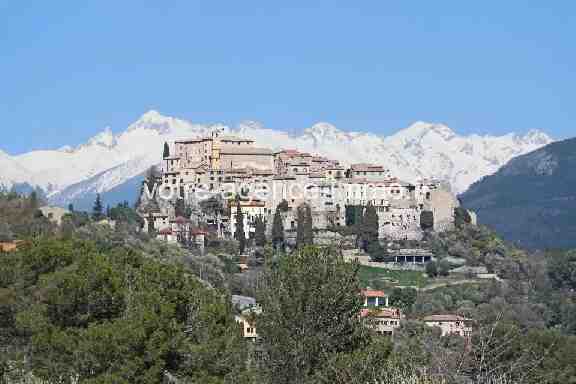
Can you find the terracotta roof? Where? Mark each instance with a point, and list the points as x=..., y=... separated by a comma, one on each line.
x=445, y=317
x=180, y=220
x=372, y=293
x=165, y=231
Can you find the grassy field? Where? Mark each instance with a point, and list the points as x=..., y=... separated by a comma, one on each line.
x=382, y=278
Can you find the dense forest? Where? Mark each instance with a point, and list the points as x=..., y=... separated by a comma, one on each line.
x=84, y=302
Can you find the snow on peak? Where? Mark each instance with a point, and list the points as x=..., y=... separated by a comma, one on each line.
x=422, y=150
x=66, y=149
x=105, y=139
x=154, y=121
x=537, y=137
x=420, y=129
x=325, y=132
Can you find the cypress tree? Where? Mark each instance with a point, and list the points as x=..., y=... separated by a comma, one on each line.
x=370, y=229
x=239, y=232
x=33, y=200
x=278, y=229
x=98, y=209
x=166, y=150
x=180, y=208
x=301, y=227
x=308, y=226
x=151, y=224
x=260, y=234
x=427, y=220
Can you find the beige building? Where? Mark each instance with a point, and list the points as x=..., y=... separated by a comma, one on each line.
x=382, y=318
x=247, y=321
x=229, y=165
x=450, y=324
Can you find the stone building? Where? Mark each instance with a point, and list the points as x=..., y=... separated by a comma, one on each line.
x=200, y=168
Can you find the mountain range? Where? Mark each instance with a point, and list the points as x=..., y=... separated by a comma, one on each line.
x=532, y=199
x=111, y=164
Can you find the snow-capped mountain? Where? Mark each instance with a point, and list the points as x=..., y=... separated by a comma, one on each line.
x=106, y=161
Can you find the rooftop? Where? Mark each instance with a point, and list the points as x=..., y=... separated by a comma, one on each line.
x=246, y=151
x=445, y=317
x=372, y=293
x=393, y=313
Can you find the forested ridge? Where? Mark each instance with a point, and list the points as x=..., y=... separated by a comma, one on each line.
x=82, y=302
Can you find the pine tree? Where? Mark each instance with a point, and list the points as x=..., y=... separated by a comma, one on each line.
x=300, y=344
x=166, y=150
x=98, y=209
x=71, y=207
x=278, y=230
x=260, y=233
x=239, y=233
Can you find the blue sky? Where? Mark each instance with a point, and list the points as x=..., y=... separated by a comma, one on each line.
x=70, y=68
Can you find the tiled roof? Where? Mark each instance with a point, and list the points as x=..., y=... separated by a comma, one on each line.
x=372, y=293
x=180, y=220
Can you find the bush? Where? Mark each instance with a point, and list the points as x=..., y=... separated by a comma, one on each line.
x=432, y=269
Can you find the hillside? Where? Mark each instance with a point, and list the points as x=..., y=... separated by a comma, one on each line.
x=108, y=160
x=532, y=199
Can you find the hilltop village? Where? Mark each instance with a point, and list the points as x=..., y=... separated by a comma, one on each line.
x=220, y=168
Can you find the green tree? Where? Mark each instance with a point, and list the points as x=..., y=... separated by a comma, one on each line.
x=403, y=297
x=461, y=217
x=432, y=269
x=71, y=207
x=427, y=220
x=180, y=208
x=278, y=230
x=443, y=268
x=5, y=232
x=562, y=269
x=369, y=232
x=166, y=151
x=98, y=209
x=151, y=229
x=239, y=233
x=33, y=201
x=260, y=232
x=300, y=227
x=283, y=206
x=310, y=313
x=308, y=226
